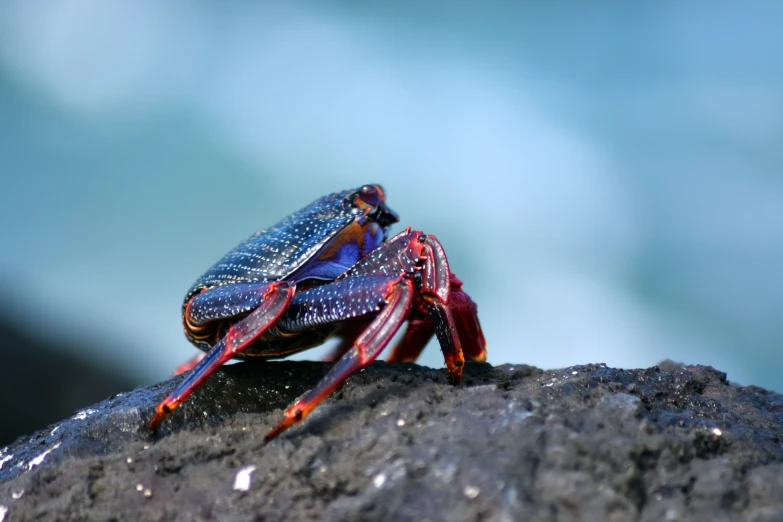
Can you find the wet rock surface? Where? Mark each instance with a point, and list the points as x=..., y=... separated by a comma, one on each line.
x=398, y=443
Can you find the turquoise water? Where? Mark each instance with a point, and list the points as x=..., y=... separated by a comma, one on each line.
x=606, y=180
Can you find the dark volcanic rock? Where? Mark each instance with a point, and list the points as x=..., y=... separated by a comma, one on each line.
x=398, y=443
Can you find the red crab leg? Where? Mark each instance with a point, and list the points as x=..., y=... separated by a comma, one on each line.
x=276, y=297
x=371, y=342
x=436, y=291
x=413, y=251
x=417, y=334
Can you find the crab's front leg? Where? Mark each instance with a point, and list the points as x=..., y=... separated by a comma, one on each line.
x=447, y=312
x=435, y=289
x=340, y=301
x=267, y=303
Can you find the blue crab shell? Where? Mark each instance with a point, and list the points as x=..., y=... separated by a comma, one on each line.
x=285, y=249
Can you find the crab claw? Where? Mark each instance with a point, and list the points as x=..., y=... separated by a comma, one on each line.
x=465, y=313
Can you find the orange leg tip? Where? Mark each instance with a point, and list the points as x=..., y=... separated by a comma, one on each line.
x=454, y=375
x=454, y=366
x=480, y=358
x=292, y=415
x=163, y=410
x=275, y=432
x=287, y=423
x=155, y=422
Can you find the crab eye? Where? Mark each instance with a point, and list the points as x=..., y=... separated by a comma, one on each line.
x=370, y=195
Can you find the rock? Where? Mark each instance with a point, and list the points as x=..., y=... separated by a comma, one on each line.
x=398, y=443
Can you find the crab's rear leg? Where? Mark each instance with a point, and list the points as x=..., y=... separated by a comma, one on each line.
x=418, y=333
x=346, y=299
x=347, y=335
x=190, y=363
x=270, y=301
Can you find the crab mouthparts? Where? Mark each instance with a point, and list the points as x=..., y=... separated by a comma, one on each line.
x=385, y=216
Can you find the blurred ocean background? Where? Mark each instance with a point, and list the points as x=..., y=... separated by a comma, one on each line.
x=605, y=177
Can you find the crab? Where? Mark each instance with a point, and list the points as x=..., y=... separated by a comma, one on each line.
x=328, y=270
